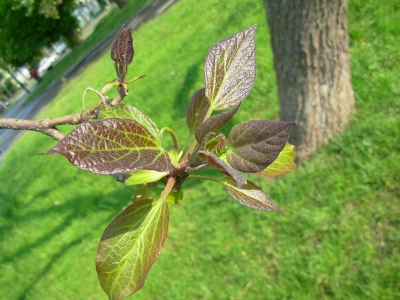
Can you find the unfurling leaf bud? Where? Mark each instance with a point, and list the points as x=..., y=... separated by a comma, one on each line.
x=122, y=52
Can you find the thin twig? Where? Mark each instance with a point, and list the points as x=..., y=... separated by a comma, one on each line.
x=168, y=188
x=122, y=92
x=48, y=125
x=102, y=98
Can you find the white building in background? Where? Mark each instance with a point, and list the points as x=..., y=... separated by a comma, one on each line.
x=22, y=74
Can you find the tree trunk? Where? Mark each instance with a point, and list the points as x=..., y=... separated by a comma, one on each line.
x=312, y=63
x=121, y=3
x=73, y=39
x=19, y=82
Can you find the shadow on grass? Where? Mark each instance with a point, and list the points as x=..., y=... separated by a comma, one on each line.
x=184, y=95
x=69, y=213
x=53, y=260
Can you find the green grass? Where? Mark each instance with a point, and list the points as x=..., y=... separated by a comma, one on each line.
x=106, y=25
x=339, y=240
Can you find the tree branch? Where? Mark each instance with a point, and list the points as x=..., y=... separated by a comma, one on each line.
x=122, y=92
x=48, y=125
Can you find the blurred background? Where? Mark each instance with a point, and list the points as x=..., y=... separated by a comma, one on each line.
x=340, y=236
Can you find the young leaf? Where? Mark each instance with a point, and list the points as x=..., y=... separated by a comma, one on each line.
x=142, y=192
x=214, y=161
x=214, y=123
x=130, y=245
x=230, y=69
x=175, y=196
x=250, y=195
x=124, y=111
x=217, y=144
x=283, y=164
x=122, y=47
x=108, y=86
x=144, y=176
x=254, y=145
x=135, y=78
x=173, y=156
x=197, y=110
x=173, y=136
x=113, y=146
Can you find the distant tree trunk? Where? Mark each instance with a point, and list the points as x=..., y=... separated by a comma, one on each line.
x=73, y=39
x=121, y=3
x=312, y=63
x=19, y=82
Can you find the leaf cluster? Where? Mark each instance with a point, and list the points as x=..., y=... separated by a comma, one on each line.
x=126, y=143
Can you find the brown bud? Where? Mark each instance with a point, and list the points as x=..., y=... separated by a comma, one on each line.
x=122, y=51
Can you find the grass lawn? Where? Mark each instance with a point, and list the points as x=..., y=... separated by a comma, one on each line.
x=339, y=240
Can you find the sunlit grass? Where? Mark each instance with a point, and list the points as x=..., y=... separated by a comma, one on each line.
x=338, y=240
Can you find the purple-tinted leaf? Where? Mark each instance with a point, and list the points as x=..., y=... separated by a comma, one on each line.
x=124, y=111
x=283, y=164
x=122, y=47
x=214, y=161
x=217, y=144
x=230, y=69
x=113, y=146
x=122, y=52
x=214, y=123
x=250, y=195
x=130, y=245
x=254, y=145
x=197, y=110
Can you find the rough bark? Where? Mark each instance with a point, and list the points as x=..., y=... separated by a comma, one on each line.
x=312, y=63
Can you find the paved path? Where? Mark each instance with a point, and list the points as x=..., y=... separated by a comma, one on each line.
x=31, y=110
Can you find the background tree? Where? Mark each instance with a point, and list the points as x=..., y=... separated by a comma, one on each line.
x=312, y=63
x=121, y=3
x=27, y=27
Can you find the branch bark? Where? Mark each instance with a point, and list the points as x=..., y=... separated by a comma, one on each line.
x=48, y=126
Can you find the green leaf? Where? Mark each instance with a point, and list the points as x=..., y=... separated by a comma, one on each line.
x=108, y=86
x=283, y=164
x=135, y=78
x=250, y=195
x=214, y=161
x=130, y=245
x=123, y=111
x=175, y=196
x=142, y=192
x=214, y=123
x=174, y=156
x=144, y=176
x=217, y=145
x=173, y=136
x=230, y=69
x=113, y=146
x=254, y=145
x=197, y=110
